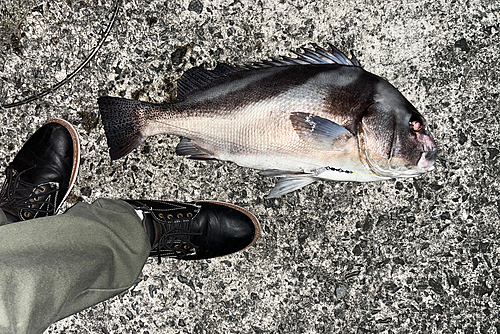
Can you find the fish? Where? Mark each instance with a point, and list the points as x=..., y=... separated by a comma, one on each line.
x=317, y=115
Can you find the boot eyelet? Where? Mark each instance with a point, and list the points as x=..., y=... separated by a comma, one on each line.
x=180, y=215
x=186, y=247
x=27, y=214
x=176, y=246
x=170, y=216
x=36, y=199
x=31, y=206
x=42, y=189
x=189, y=215
x=160, y=215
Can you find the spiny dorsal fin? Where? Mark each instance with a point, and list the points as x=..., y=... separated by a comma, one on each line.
x=198, y=78
x=317, y=57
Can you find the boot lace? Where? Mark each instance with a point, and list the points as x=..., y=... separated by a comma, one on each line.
x=176, y=240
x=38, y=200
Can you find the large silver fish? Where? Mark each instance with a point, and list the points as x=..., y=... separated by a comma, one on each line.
x=318, y=116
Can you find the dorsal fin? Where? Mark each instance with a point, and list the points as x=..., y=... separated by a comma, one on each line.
x=198, y=78
x=317, y=57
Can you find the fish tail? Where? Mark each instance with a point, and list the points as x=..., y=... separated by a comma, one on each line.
x=123, y=122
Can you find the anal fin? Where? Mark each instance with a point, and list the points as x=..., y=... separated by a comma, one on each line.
x=188, y=147
x=281, y=173
x=288, y=184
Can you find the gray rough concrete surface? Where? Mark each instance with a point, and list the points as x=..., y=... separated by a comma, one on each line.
x=403, y=256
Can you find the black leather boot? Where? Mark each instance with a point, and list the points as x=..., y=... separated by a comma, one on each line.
x=42, y=173
x=198, y=230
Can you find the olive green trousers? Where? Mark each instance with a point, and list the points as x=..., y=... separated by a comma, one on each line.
x=55, y=266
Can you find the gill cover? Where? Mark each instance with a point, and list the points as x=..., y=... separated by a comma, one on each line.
x=393, y=140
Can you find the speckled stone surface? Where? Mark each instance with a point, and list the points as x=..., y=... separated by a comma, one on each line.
x=403, y=256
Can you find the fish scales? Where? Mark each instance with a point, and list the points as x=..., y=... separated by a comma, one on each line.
x=300, y=122
x=234, y=138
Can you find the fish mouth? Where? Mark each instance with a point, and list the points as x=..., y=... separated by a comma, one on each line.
x=427, y=160
x=425, y=164
x=386, y=170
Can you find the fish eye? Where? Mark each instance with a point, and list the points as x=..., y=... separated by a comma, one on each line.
x=416, y=123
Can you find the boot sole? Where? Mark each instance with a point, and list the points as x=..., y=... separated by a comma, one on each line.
x=245, y=212
x=76, y=155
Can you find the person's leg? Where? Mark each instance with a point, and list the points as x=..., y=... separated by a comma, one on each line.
x=55, y=266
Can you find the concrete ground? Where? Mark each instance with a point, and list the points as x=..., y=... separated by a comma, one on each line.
x=415, y=255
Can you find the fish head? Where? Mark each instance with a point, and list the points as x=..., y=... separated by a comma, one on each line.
x=393, y=137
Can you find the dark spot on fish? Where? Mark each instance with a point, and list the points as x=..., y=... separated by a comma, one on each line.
x=462, y=44
x=338, y=170
x=178, y=55
x=195, y=6
x=88, y=120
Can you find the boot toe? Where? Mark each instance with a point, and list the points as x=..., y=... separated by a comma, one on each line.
x=229, y=229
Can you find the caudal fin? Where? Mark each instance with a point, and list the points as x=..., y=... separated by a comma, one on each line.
x=123, y=122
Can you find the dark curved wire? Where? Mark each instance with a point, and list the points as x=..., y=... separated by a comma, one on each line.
x=72, y=74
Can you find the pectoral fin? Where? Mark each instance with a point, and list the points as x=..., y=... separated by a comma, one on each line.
x=288, y=184
x=320, y=132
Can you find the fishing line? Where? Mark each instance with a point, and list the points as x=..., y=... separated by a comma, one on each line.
x=72, y=74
